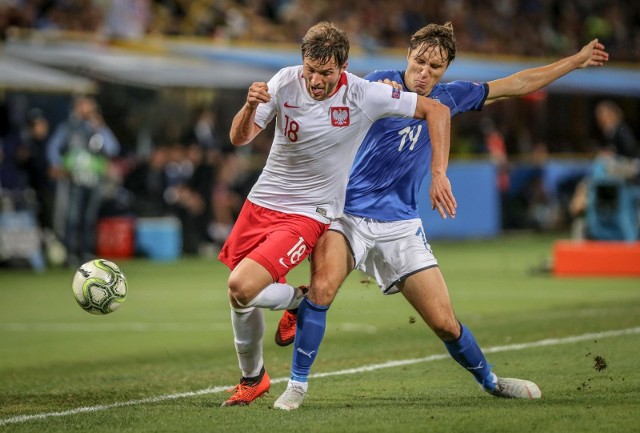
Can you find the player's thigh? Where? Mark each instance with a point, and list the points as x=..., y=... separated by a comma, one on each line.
x=276, y=241
x=400, y=250
x=287, y=245
x=247, y=279
x=331, y=263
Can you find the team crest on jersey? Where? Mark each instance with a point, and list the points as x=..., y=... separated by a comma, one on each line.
x=395, y=93
x=340, y=116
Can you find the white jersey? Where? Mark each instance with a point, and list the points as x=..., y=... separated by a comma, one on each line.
x=315, y=142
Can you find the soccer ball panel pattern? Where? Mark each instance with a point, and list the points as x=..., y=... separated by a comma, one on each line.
x=99, y=286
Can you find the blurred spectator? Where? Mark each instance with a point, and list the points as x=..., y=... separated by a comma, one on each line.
x=617, y=158
x=147, y=183
x=13, y=180
x=205, y=131
x=78, y=153
x=189, y=188
x=127, y=19
x=177, y=180
x=200, y=188
x=31, y=157
x=541, y=209
x=618, y=135
x=226, y=198
x=492, y=143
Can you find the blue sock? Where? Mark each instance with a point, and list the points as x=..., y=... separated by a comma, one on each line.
x=467, y=353
x=312, y=321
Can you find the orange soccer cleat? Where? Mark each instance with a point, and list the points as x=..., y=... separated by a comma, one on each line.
x=249, y=389
x=286, y=332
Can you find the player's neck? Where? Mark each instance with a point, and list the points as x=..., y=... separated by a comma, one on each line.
x=341, y=82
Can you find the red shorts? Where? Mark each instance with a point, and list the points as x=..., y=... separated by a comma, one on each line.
x=278, y=241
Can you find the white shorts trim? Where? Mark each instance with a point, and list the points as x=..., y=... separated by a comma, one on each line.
x=388, y=251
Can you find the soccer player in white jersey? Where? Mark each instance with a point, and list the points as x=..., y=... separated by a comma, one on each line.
x=381, y=232
x=322, y=114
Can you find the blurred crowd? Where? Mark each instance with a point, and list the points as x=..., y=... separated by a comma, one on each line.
x=534, y=27
x=71, y=175
x=71, y=171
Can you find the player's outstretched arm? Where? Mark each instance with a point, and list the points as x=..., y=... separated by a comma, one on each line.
x=243, y=127
x=438, y=117
x=530, y=80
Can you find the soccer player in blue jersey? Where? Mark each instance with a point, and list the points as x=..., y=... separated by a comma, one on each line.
x=381, y=233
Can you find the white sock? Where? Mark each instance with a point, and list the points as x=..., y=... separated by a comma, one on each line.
x=277, y=296
x=248, y=330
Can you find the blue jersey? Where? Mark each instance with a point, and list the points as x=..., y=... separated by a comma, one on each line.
x=395, y=155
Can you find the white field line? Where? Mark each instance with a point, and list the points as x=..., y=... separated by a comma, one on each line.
x=363, y=369
x=114, y=327
x=92, y=327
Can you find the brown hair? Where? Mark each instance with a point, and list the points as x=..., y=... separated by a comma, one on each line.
x=435, y=36
x=325, y=41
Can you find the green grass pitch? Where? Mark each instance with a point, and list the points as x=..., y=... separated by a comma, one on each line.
x=161, y=362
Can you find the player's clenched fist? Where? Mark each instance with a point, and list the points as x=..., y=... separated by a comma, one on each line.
x=258, y=93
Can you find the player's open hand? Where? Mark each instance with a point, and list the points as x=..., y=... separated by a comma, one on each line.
x=442, y=198
x=593, y=54
x=258, y=93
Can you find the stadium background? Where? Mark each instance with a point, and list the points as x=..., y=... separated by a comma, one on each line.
x=162, y=69
x=162, y=362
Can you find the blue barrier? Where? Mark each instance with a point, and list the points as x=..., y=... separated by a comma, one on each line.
x=474, y=186
x=20, y=238
x=159, y=238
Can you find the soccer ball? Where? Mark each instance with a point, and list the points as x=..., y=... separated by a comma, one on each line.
x=99, y=286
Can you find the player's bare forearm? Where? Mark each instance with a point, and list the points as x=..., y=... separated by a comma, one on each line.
x=440, y=192
x=243, y=127
x=529, y=80
x=438, y=117
x=439, y=123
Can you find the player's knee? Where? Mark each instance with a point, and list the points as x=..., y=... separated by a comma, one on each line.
x=233, y=302
x=447, y=329
x=240, y=291
x=321, y=293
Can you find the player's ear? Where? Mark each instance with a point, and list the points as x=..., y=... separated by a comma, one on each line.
x=344, y=67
